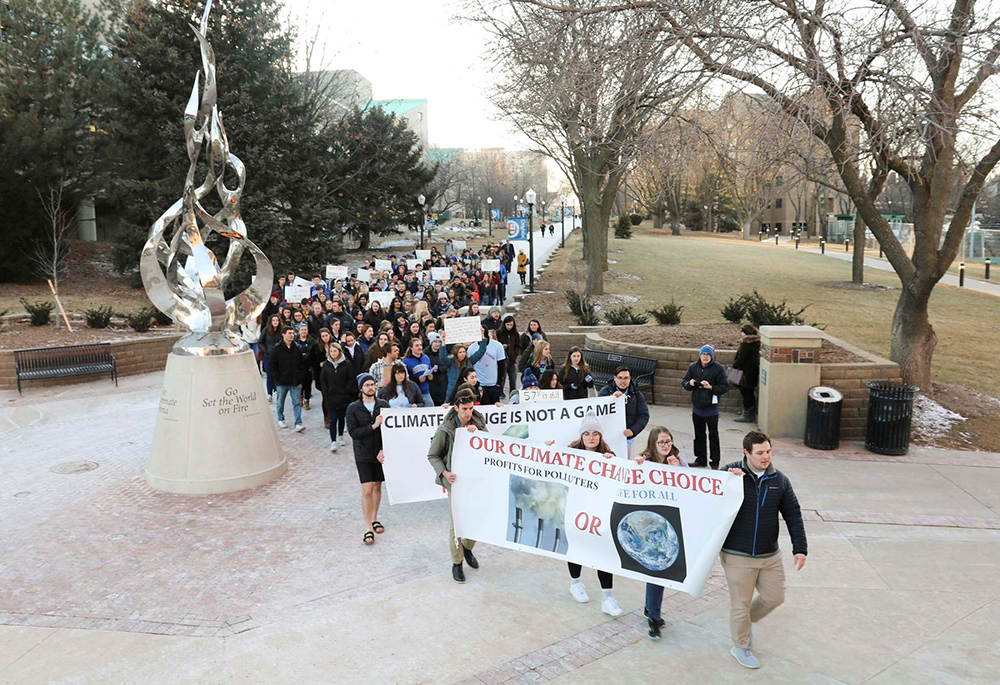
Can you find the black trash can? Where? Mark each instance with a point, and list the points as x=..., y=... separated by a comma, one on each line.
x=823, y=418
x=890, y=412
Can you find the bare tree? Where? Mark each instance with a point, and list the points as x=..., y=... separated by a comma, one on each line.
x=583, y=88
x=909, y=83
x=49, y=252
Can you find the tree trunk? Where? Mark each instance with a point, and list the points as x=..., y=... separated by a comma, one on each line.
x=658, y=217
x=858, y=258
x=596, y=230
x=675, y=225
x=913, y=337
x=366, y=238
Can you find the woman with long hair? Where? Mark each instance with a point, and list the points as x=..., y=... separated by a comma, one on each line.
x=270, y=336
x=467, y=381
x=375, y=351
x=319, y=356
x=541, y=359
x=508, y=336
x=660, y=450
x=373, y=317
x=534, y=328
x=400, y=391
x=575, y=376
x=457, y=361
x=549, y=381
x=339, y=388
x=748, y=361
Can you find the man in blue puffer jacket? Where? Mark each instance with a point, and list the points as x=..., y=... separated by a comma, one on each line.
x=636, y=409
x=750, y=554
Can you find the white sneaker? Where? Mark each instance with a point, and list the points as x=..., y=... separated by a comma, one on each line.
x=610, y=607
x=333, y=447
x=343, y=442
x=282, y=424
x=579, y=592
x=299, y=428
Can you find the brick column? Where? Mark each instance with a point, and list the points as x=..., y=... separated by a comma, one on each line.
x=789, y=366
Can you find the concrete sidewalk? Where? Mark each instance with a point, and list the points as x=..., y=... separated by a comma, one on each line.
x=105, y=581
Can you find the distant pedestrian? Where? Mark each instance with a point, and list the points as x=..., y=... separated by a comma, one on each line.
x=706, y=381
x=552, y=230
x=522, y=266
x=748, y=361
x=364, y=423
x=750, y=555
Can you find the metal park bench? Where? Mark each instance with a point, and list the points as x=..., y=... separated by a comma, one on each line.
x=63, y=362
x=602, y=367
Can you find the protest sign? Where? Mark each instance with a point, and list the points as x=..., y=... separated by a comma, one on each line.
x=539, y=395
x=383, y=265
x=458, y=244
x=407, y=433
x=491, y=265
x=364, y=275
x=441, y=273
x=655, y=523
x=297, y=293
x=384, y=299
x=423, y=255
x=464, y=329
x=301, y=282
x=336, y=273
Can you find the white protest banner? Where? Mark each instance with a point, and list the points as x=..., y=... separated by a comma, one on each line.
x=301, y=282
x=384, y=299
x=336, y=273
x=407, y=434
x=656, y=523
x=491, y=265
x=458, y=244
x=539, y=395
x=411, y=263
x=364, y=275
x=297, y=293
x=423, y=255
x=464, y=329
x=383, y=265
x=441, y=273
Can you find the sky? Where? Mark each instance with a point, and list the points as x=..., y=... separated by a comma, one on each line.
x=413, y=49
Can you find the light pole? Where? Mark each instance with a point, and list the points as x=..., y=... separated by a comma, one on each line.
x=530, y=199
x=562, y=221
x=516, y=213
x=489, y=210
x=420, y=200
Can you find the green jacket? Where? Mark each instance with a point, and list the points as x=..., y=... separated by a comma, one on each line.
x=443, y=442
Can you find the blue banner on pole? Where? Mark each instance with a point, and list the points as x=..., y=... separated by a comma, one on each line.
x=517, y=228
x=495, y=213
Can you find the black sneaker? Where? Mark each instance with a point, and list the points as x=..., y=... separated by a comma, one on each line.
x=470, y=558
x=457, y=573
x=654, y=630
x=659, y=624
x=698, y=463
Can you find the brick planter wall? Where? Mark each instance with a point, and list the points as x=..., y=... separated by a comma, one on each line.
x=140, y=355
x=851, y=379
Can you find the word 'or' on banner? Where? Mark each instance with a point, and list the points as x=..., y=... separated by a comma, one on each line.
x=407, y=435
x=660, y=524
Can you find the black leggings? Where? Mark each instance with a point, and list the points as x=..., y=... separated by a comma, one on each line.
x=749, y=401
x=338, y=419
x=607, y=579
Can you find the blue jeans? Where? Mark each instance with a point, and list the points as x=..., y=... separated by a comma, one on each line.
x=271, y=385
x=654, y=600
x=428, y=400
x=296, y=393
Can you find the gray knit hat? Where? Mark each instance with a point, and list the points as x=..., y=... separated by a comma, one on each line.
x=590, y=423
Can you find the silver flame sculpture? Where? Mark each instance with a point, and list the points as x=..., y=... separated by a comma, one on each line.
x=181, y=274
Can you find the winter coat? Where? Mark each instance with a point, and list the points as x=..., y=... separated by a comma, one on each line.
x=526, y=341
x=367, y=441
x=715, y=374
x=357, y=359
x=269, y=340
x=286, y=364
x=338, y=384
x=411, y=389
x=511, y=342
x=754, y=533
x=748, y=361
x=575, y=383
x=452, y=367
x=443, y=442
x=522, y=263
x=636, y=409
x=374, y=319
x=439, y=384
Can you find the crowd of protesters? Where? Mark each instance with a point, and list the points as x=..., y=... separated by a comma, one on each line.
x=366, y=345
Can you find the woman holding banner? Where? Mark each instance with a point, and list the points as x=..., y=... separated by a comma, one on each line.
x=575, y=376
x=660, y=449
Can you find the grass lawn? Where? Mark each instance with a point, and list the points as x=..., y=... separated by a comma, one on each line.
x=702, y=273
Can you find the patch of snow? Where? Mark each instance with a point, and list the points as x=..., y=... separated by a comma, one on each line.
x=615, y=300
x=931, y=420
x=385, y=244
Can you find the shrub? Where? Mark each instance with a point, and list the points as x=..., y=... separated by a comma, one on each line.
x=588, y=312
x=624, y=316
x=40, y=312
x=98, y=318
x=623, y=227
x=758, y=311
x=668, y=314
x=141, y=320
x=636, y=219
x=575, y=301
x=161, y=318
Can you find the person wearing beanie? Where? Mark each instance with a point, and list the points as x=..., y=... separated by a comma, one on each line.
x=636, y=409
x=528, y=379
x=492, y=320
x=706, y=381
x=364, y=425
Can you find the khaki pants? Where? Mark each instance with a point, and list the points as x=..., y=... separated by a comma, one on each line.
x=456, y=545
x=744, y=574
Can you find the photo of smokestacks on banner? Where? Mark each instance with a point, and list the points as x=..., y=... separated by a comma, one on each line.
x=538, y=507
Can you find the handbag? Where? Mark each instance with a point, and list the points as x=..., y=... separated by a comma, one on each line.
x=735, y=377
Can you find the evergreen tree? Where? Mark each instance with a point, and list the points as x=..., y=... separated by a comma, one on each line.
x=269, y=121
x=51, y=67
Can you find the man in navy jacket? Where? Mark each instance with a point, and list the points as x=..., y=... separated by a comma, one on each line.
x=636, y=409
x=750, y=554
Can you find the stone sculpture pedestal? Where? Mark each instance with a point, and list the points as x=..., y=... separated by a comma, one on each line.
x=214, y=431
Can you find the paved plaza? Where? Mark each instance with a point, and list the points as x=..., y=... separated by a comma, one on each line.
x=106, y=581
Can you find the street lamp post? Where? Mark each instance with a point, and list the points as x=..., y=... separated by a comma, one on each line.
x=489, y=210
x=420, y=200
x=562, y=222
x=530, y=199
x=516, y=213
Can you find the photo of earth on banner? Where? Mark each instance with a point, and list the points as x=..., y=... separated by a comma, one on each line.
x=537, y=514
x=650, y=540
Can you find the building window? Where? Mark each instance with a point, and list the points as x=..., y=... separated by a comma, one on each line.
x=777, y=227
x=778, y=203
